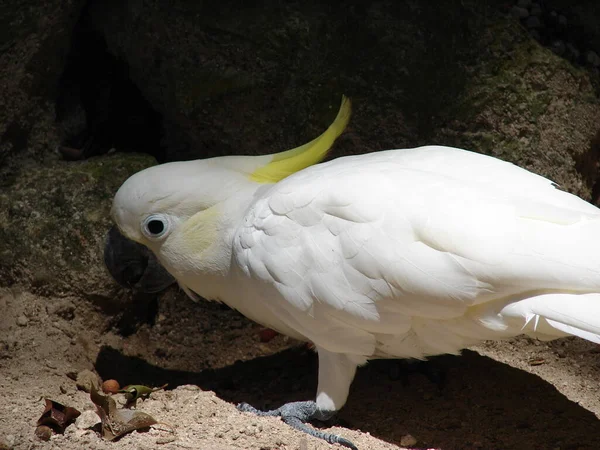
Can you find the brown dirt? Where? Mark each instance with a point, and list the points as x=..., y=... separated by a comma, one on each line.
x=511, y=395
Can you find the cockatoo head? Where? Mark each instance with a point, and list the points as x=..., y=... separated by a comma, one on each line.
x=153, y=204
x=183, y=211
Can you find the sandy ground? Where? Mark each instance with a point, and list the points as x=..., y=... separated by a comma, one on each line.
x=519, y=394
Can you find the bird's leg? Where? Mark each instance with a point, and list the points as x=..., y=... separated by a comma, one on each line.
x=336, y=372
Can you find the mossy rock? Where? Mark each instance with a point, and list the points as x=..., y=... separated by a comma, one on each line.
x=526, y=105
x=53, y=220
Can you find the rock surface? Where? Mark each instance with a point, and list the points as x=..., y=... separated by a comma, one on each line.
x=245, y=80
x=53, y=219
x=34, y=40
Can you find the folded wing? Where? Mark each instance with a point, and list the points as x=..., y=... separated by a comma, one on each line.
x=421, y=250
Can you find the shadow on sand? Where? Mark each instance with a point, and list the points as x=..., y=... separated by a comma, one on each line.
x=481, y=403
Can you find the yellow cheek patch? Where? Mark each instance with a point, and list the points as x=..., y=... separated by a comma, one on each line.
x=200, y=231
x=286, y=163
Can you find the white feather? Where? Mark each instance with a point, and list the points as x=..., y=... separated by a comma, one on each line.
x=403, y=253
x=428, y=250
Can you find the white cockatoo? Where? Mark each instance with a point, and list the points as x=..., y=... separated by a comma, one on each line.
x=394, y=254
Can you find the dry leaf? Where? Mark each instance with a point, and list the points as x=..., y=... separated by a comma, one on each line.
x=57, y=416
x=117, y=422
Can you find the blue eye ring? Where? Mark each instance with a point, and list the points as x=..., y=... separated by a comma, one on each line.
x=156, y=226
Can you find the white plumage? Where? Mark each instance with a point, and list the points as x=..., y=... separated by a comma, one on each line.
x=419, y=252
x=402, y=253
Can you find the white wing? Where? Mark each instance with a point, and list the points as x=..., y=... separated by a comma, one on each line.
x=415, y=252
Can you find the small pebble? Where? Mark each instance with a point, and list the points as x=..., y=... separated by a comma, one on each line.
x=166, y=440
x=87, y=420
x=266, y=334
x=51, y=364
x=44, y=432
x=22, y=321
x=408, y=440
x=85, y=379
x=110, y=387
x=10, y=440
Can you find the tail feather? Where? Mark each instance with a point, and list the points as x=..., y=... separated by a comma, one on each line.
x=557, y=315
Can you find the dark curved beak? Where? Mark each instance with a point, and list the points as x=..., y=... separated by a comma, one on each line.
x=134, y=266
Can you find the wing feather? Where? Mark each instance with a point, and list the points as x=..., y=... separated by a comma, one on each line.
x=386, y=241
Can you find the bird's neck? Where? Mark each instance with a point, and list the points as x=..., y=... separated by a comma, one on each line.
x=201, y=256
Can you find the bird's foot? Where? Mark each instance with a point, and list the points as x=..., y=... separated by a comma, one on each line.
x=296, y=414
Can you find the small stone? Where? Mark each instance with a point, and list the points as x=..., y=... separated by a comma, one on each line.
x=85, y=379
x=51, y=364
x=533, y=22
x=524, y=3
x=166, y=440
x=110, y=387
x=535, y=10
x=88, y=419
x=266, y=334
x=62, y=308
x=593, y=58
x=22, y=321
x=408, y=440
x=44, y=432
x=519, y=13
x=10, y=440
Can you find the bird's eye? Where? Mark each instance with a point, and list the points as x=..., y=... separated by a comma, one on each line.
x=155, y=226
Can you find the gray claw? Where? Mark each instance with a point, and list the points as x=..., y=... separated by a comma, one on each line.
x=296, y=414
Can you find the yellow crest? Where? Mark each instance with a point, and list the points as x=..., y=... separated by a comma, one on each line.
x=286, y=163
